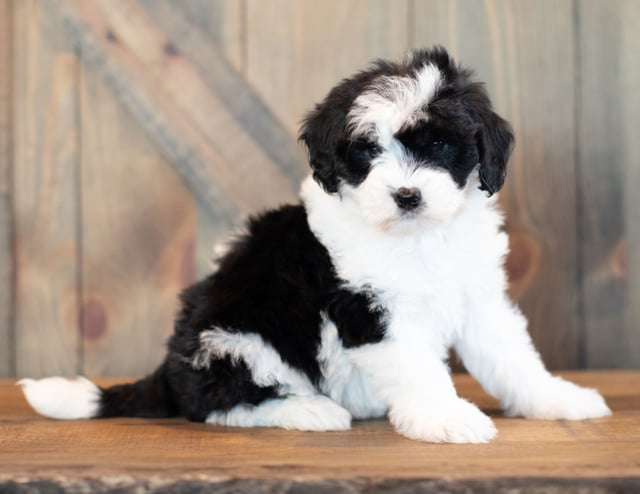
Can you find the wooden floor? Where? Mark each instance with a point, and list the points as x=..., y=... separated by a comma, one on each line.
x=128, y=455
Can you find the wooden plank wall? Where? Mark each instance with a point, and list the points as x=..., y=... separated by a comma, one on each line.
x=630, y=82
x=609, y=180
x=7, y=364
x=296, y=51
x=45, y=195
x=146, y=128
x=138, y=221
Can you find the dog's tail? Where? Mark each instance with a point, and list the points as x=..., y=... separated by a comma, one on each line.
x=79, y=398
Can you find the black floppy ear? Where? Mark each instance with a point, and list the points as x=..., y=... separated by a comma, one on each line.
x=321, y=131
x=495, y=143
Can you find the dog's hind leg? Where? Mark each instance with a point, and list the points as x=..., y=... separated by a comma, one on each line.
x=239, y=379
x=306, y=413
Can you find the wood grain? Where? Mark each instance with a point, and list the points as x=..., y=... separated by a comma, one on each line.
x=138, y=235
x=246, y=111
x=528, y=456
x=172, y=102
x=7, y=337
x=297, y=50
x=504, y=42
x=609, y=199
x=45, y=195
x=631, y=113
x=219, y=87
x=233, y=117
x=224, y=22
x=221, y=30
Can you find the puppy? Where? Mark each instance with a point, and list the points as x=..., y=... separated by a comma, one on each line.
x=345, y=306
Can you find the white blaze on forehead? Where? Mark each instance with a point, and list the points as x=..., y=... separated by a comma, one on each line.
x=392, y=102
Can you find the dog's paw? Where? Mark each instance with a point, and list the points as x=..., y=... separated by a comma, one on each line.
x=304, y=413
x=455, y=422
x=560, y=399
x=313, y=413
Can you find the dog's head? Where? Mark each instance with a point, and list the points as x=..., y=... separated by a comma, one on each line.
x=406, y=140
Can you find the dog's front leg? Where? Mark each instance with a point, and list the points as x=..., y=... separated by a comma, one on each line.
x=415, y=384
x=497, y=350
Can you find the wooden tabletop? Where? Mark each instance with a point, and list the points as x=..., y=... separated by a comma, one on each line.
x=175, y=455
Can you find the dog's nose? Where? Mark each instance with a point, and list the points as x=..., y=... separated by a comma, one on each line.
x=407, y=198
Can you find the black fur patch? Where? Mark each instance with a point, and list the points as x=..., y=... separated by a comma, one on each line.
x=355, y=160
x=441, y=146
x=220, y=387
x=356, y=317
x=276, y=281
x=150, y=397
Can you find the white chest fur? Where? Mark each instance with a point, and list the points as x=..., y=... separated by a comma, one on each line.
x=422, y=278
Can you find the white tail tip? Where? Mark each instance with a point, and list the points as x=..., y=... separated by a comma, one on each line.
x=61, y=398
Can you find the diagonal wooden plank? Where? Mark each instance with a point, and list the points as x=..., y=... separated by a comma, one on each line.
x=223, y=21
x=203, y=31
x=249, y=113
x=7, y=341
x=163, y=89
x=220, y=26
x=167, y=40
x=136, y=89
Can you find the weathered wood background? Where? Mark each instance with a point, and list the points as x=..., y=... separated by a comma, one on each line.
x=134, y=133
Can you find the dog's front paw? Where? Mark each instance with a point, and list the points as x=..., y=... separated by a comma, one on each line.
x=455, y=422
x=560, y=399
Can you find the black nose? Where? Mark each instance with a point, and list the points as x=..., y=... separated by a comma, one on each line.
x=407, y=198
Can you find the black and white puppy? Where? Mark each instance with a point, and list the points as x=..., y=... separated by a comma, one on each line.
x=345, y=305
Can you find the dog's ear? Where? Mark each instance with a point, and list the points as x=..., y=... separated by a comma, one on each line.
x=494, y=139
x=495, y=143
x=321, y=132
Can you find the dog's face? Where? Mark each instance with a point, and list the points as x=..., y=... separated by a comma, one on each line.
x=405, y=141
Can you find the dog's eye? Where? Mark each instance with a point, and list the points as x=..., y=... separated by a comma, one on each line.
x=361, y=151
x=438, y=145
